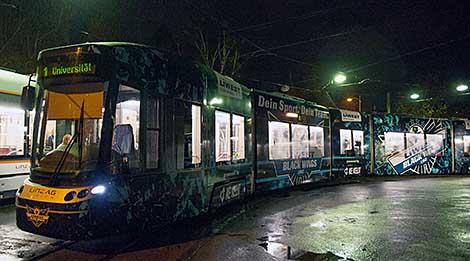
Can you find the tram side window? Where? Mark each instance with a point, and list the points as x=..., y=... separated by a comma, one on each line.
x=317, y=148
x=127, y=117
x=196, y=134
x=414, y=141
x=466, y=145
x=153, y=133
x=188, y=135
x=435, y=143
x=279, y=140
x=299, y=141
x=345, y=141
x=358, y=142
x=12, y=130
x=222, y=136
x=352, y=142
x=238, y=137
x=394, y=144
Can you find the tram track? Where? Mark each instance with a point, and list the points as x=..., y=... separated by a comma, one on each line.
x=62, y=246
x=119, y=251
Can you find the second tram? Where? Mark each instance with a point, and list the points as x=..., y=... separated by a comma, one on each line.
x=14, y=133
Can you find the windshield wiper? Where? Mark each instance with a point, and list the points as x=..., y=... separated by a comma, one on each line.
x=62, y=159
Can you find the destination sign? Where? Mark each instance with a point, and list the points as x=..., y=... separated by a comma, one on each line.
x=69, y=68
x=61, y=70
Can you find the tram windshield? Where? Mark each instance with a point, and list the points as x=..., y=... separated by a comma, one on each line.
x=70, y=131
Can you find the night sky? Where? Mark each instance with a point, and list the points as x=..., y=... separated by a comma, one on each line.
x=401, y=45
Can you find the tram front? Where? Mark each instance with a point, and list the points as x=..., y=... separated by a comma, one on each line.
x=67, y=187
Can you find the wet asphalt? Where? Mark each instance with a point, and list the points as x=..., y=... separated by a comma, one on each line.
x=376, y=219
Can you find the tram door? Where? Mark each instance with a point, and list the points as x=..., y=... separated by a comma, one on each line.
x=126, y=133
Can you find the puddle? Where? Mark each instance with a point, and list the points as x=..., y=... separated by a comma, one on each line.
x=285, y=252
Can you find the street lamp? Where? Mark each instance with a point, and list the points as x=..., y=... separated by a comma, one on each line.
x=359, y=101
x=462, y=88
x=339, y=78
x=414, y=96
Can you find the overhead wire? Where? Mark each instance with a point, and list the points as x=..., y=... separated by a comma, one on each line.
x=288, y=19
x=311, y=40
x=420, y=50
x=260, y=48
x=427, y=48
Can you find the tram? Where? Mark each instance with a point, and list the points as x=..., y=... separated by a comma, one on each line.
x=14, y=133
x=126, y=137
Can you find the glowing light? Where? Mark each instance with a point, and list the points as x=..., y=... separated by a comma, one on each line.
x=462, y=88
x=100, y=189
x=349, y=99
x=216, y=101
x=340, y=78
x=11, y=110
x=292, y=115
x=130, y=104
x=414, y=96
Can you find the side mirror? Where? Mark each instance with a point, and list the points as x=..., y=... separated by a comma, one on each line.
x=28, y=96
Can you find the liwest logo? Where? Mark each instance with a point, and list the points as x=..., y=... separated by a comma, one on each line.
x=350, y=116
x=37, y=216
x=413, y=157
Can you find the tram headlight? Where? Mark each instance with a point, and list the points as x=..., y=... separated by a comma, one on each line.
x=100, y=189
x=83, y=193
x=69, y=196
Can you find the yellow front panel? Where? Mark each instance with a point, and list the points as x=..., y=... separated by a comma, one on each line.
x=41, y=193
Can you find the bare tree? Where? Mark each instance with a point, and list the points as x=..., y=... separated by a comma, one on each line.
x=221, y=53
x=30, y=27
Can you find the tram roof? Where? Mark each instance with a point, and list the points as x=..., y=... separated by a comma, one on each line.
x=11, y=82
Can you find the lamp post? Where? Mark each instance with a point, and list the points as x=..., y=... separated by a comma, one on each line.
x=359, y=101
x=340, y=78
x=7, y=5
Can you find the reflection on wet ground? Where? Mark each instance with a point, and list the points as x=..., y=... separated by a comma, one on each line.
x=285, y=252
x=406, y=219
x=410, y=218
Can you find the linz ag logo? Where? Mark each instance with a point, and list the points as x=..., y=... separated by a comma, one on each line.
x=37, y=216
x=41, y=191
